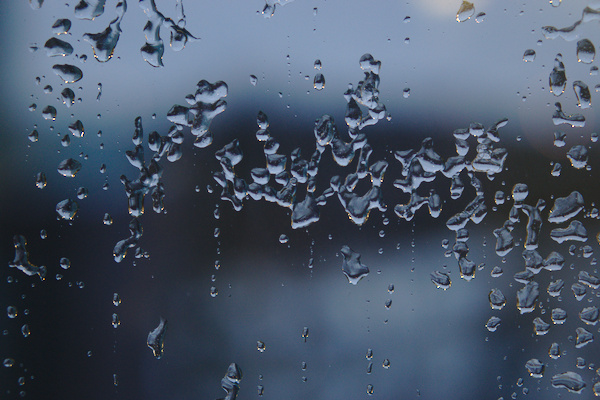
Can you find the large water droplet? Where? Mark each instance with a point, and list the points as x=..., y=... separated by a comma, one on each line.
x=61, y=26
x=67, y=209
x=68, y=73
x=69, y=167
x=571, y=381
x=582, y=91
x=535, y=368
x=585, y=51
x=56, y=47
x=352, y=266
x=558, y=77
x=319, y=82
x=529, y=55
x=465, y=11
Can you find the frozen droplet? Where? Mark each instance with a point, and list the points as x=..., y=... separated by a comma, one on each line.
x=589, y=315
x=558, y=77
x=585, y=51
x=65, y=263
x=465, y=11
x=156, y=338
x=68, y=73
x=497, y=299
x=115, y=320
x=352, y=266
x=535, y=368
x=588, y=279
x=69, y=167
x=440, y=279
x=571, y=381
x=527, y=297
x=566, y=208
x=575, y=231
x=540, y=326
x=61, y=26
x=319, y=82
x=559, y=316
x=583, y=338
x=116, y=299
x=260, y=346
x=529, y=55
x=582, y=91
x=554, y=351
x=493, y=323
x=253, y=80
x=578, y=155
x=49, y=113
x=67, y=209
x=56, y=47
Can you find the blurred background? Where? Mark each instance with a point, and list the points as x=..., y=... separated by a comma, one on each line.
x=437, y=75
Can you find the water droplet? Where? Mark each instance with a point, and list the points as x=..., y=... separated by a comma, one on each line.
x=527, y=297
x=535, y=368
x=49, y=113
x=305, y=333
x=107, y=219
x=116, y=299
x=66, y=209
x=554, y=351
x=104, y=43
x=65, y=263
x=559, y=117
x=76, y=128
x=25, y=331
x=319, y=82
x=585, y=51
x=388, y=303
x=558, y=77
x=370, y=389
x=386, y=363
x=69, y=167
x=584, y=337
x=260, y=346
x=317, y=65
x=480, y=17
x=156, y=338
x=115, y=320
x=582, y=91
x=68, y=97
x=497, y=299
x=56, y=47
x=61, y=26
x=559, y=316
x=493, y=323
x=253, y=80
x=406, y=93
x=465, y=11
x=589, y=315
x=352, y=266
x=440, y=279
x=529, y=55
x=11, y=311
x=571, y=381
x=8, y=362
x=540, y=327
x=68, y=73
